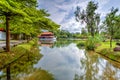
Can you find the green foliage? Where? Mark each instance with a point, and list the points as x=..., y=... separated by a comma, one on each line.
x=105, y=51
x=83, y=31
x=117, y=35
x=109, y=53
x=27, y=3
x=25, y=18
x=11, y=8
x=90, y=45
x=89, y=16
x=111, y=56
x=92, y=42
x=63, y=34
x=24, y=56
x=29, y=44
x=81, y=45
x=34, y=42
x=20, y=51
x=61, y=43
x=111, y=24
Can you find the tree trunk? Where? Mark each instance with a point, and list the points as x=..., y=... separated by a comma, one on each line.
x=16, y=36
x=112, y=33
x=7, y=34
x=92, y=31
x=8, y=72
x=111, y=42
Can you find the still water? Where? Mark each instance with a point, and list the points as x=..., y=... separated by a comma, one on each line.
x=64, y=60
x=71, y=63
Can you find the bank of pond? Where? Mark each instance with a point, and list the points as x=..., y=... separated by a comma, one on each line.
x=61, y=60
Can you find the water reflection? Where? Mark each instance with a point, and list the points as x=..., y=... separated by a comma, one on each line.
x=49, y=43
x=8, y=72
x=71, y=63
x=23, y=69
x=63, y=61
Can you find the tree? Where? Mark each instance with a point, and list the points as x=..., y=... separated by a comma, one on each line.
x=9, y=8
x=39, y=21
x=29, y=27
x=89, y=16
x=25, y=18
x=117, y=25
x=83, y=31
x=110, y=22
x=97, y=21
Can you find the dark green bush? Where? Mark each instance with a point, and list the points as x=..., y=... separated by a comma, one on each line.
x=92, y=42
x=81, y=45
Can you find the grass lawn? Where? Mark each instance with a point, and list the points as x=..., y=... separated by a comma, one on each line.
x=105, y=50
x=105, y=45
x=17, y=52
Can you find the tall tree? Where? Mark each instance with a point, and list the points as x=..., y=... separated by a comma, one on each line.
x=9, y=8
x=110, y=22
x=97, y=21
x=83, y=31
x=24, y=18
x=117, y=27
x=25, y=26
x=89, y=17
x=39, y=21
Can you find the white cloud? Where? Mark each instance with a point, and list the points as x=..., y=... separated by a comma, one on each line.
x=56, y=61
x=62, y=11
x=71, y=25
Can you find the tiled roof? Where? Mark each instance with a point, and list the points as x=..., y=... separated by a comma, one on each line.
x=47, y=33
x=2, y=29
x=50, y=34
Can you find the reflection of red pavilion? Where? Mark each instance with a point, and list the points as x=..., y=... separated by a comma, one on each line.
x=47, y=36
x=45, y=44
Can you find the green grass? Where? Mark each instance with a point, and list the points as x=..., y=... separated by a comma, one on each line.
x=105, y=50
x=105, y=45
x=25, y=46
x=16, y=52
x=28, y=45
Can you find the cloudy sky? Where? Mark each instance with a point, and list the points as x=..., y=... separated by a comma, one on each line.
x=62, y=11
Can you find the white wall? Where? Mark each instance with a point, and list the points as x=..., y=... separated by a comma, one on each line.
x=2, y=35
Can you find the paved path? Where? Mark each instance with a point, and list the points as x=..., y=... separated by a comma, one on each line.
x=12, y=43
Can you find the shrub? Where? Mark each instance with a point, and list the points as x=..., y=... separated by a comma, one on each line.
x=111, y=56
x=81, y=45
x=92, y=42
x=33, y=42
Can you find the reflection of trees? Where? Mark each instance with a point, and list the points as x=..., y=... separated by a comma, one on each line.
x=90, y=66
x=23, y=65
x=39, y=74
x=58, y=43
x=108, y=73
x=8, y=72
x=96, y=69
x=62, y=43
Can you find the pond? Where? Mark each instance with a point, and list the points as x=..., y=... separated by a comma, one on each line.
x=63, y=60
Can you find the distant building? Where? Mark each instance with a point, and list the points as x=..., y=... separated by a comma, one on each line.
x=2, y=34
x=47, y=36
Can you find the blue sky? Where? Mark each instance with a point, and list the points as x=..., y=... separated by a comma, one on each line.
x=62, y=11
